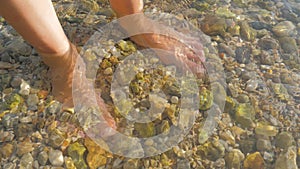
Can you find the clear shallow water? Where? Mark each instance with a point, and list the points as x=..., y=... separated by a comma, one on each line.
x=257, y=43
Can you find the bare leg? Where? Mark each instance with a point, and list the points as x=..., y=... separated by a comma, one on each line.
x=37, y=23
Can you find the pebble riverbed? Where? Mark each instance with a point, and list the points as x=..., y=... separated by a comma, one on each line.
x=257, y=44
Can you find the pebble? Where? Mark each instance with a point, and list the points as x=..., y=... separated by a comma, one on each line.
x=287, y=159
x=16, y=82
x=6, y=136
x=284, y=140
x=284, y=28
x=56, y=157
x=24, y=147
x=6, y=150
x=265, y=129
x=245, y=115
x=26, y=161
x=263, y=145
x=56, y=138
x=5, y=65
x=234, y=158
x=43, y=158
x=254, y=161
x=24, y=88
x=32, y=101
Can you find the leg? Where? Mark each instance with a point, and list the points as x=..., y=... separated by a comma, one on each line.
x=37, y=23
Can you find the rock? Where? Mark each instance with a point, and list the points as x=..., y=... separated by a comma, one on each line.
x=26, y=161
x=247, y=33
x=76, y=152
x=287, y=159
x=265, y=129
x=243, y=54
x=212, y=150
x=96, y=156
x=213, y=25
x=24, y=147
x=24, y=129
x=6, y=65
x=32, y=101
x=284, y=140
x=263, y=145
x=6, y=136
x=145, y=129
x=24, y=88
x=43, y=158
x=56, y=138
x=247, y=145
x=174, y=99
x=243, y=98
x=289, y=45
x=206, y=99
x=280, y=91
x=251, y=85
x=224, y=12
x=284, y=28
x=10, y=120
x=56, y=157
x=19, y=47
x=69, y=164
x=10, y=165
x=131, y=163
x=266, y=58
x=258, y=25
x=268, y=43
x=6, y=150
x=245, y=115
x=254, y=161
x=234, y=158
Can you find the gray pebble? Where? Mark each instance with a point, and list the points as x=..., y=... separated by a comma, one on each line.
x=56, y=157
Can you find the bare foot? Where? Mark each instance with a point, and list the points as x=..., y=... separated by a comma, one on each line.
x=61, y=74
x=183, y=50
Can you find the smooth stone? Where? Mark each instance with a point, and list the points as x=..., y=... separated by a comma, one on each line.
x=16, y=82
x=69, y=164
x=32, y=101
x=245, y=114
x=212, y=150
x=265, y=129
x=24, y=147
x=243, y=98
x=10, y=165
x=247, y=145
x=284, y=28
x=76, y=151
x=247, y=33
x=263, y=145
x=24, y=88
x=243, y=54
x=287, y=159
x=268, y=43
x=43, y=158
x=131, y=163
x=266, y=58
x=96, y=156
x=6, y=136
x=234, y=158
x=213, y=25
x=289, y=45
x=10, y=120
x=254, y=161
x=284, y=140
x=56, y=157
x=56, y=138
x=6, y=150
x=251, y=85
x=26, y=161
x=6, y=65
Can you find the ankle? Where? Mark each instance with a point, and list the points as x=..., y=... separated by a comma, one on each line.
x=55, y=58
